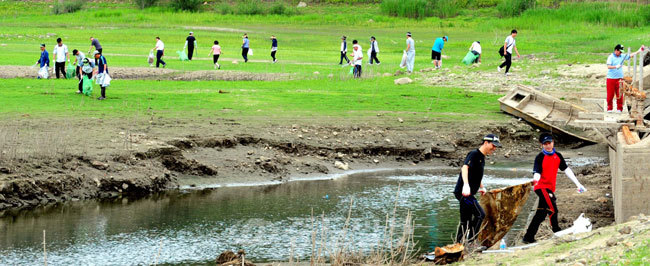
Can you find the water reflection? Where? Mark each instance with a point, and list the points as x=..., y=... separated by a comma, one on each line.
x=192, y=227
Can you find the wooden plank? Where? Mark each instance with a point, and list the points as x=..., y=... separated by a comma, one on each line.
x=591, y=115
x=629, y=136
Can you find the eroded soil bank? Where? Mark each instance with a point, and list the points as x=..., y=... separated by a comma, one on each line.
x=137, y=158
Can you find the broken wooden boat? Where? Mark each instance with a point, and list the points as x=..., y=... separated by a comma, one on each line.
x=547, y=112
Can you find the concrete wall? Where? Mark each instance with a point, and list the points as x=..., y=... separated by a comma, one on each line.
x=630, y=178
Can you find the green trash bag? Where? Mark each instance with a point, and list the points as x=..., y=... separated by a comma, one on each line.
x=182, y=56
x=351, y=71
x=70, y=71
x=87, y=86
x=469, y=58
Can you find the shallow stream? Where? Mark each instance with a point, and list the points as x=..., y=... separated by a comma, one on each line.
x=270, y=222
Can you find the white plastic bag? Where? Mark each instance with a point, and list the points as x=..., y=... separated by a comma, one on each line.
x=43, y=72
x=151, y=57
x=580, y=225
x=106, y=80
x=403, y=63
x=369, y=53
x=250, y=51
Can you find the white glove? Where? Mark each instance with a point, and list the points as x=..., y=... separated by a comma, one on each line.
x=536, y=177
x=466, y=190
x=619, y=66
x=482, y=190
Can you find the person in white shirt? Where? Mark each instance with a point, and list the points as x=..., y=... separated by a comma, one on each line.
x=78, y=62
x=344, y=51
x=508, y=46
x=357, y=56
x=410, y=53
x=60, y=56
x=160, y=51
x=476, y=50
x=374, y=50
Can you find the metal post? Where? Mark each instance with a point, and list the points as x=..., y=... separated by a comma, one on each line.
x=628, y=62
x=634, y=73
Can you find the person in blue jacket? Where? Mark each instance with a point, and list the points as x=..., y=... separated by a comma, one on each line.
x=44, y=60
x=436, y=51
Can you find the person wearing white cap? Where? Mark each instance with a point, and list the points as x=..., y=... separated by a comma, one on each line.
x=469, y=182
x=102, y=69
x=190, y=44
x=410, y=53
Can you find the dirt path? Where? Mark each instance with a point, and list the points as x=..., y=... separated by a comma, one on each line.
x=135, y=73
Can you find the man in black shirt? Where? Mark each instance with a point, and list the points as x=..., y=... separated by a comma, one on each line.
x=469, y=182
x=190, y=43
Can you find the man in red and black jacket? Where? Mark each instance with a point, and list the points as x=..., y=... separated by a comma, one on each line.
x=547, y=164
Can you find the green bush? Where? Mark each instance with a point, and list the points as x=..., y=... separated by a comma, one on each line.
x=278, y=8
x=485, y=3
x=186, y=5
x=226, y=9
x=512, y=8
x=407, y=8
x=423, y=8
x=67, y=7
x=610, y=14
x=142, y=4
x=250, y=7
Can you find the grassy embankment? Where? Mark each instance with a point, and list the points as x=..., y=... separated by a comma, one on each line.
x=309, y=41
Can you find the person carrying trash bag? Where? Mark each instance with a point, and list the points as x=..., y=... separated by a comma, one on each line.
x=102, y=78
x=547, y=163
x=85, y=82
x=469, y=182
x=474, y=54
x=44, y=62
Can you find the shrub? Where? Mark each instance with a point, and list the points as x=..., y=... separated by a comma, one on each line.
x=250, y=7
x=485, y=3
x=142, y=4
x=187, y=5
x=511, y=8
x=279, y=9
x=408, y=8
x=226, y=9
x=67, y=7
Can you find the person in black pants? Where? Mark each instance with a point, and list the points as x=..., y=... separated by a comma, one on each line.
x=469, y=182
x=160, y=51
x=102, y=69
x=547, y=163
x=274, y=48
x=244, y=47
x=508, y=46
x=87, y=69
x=190, y=43
x=344, y=51
x=374, y=49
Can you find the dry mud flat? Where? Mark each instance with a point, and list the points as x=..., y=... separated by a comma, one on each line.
x=136, y=73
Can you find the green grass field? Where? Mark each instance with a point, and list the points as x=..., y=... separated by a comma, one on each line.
x=308, y=42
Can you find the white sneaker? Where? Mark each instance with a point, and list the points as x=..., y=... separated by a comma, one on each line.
x=507, y=74
x=609, y=111
x=499, y=69
x=618, y=111
x=378, y=63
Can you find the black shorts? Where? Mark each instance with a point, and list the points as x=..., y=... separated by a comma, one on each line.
x=435, y=55
x=215, y=58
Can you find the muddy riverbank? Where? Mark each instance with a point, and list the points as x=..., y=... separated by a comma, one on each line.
x=141, y=158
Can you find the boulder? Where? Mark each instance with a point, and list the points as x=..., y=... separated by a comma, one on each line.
x=341, y=165
x=302, y=4
x=403, y=81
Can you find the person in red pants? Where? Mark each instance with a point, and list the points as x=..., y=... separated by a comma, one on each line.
x=615, y=74
x=547, y=164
